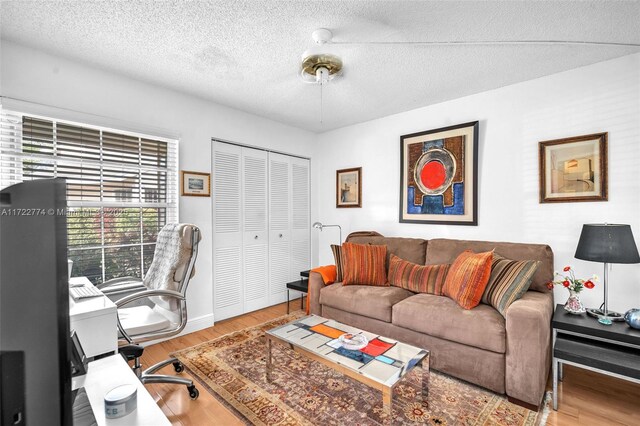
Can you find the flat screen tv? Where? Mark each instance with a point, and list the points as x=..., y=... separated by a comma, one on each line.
x=34, y=304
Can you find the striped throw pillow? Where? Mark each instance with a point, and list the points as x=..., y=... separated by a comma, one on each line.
x=364, y=264
x=417, y=278
x=509, y=280
x=337, y=257
x=468, y=277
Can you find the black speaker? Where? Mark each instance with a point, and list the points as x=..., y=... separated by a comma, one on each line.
x=12, y=395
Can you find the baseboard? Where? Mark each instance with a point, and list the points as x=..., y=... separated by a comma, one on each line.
x=193, y=325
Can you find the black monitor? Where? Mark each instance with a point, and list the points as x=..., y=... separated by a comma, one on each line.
x=34, y=304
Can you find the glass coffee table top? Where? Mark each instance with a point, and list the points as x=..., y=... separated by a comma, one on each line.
x=383, y=360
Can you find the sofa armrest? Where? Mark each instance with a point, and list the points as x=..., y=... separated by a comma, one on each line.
x=313, y=293
x=528, y=356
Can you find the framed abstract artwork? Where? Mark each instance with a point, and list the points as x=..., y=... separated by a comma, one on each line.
x=573, y=169
x=349, y=187
x=195, y=184
x=439, y=176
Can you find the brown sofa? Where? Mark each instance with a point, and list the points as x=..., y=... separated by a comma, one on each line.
x=507, y=355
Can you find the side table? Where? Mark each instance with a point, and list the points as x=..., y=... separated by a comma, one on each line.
x=301, y=285
x=581, y=341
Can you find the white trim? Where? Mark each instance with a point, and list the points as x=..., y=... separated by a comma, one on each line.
x=193, y=325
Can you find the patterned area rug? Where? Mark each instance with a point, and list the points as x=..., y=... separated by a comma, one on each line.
x=305, y=392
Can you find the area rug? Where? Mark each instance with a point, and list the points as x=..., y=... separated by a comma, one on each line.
x=305, y=392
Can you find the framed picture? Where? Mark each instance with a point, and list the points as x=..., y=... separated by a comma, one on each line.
x=349, y=187
x=574, y=169
x=195, y=184
x=439, y=176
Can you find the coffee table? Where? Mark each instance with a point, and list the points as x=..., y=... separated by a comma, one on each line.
x=380, y=365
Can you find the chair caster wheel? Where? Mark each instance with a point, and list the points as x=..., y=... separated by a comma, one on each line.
x=193, y=392
x=178, y=367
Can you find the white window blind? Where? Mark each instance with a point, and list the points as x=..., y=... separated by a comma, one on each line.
x=121, y=187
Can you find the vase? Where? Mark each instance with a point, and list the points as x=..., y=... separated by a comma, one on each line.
x=632, y=317
x=573, y=304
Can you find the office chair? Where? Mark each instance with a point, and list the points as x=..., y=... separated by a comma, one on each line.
x=165, y=286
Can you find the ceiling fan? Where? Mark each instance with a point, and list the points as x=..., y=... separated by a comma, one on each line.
x=319, y=65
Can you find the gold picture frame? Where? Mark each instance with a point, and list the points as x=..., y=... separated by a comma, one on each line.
x=349, y=187
x=574, y=169
x=195, y=184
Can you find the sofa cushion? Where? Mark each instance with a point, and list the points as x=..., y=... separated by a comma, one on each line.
x=509, y=280
x=368, y=301
x=482, y=327
x=364, y=264
x=468, y=277
x=417, y=278
x=412, y=249
x=443, y=250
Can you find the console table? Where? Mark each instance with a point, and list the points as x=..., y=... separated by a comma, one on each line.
x=583, y=342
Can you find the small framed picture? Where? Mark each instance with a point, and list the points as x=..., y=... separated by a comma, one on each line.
x=574, y=169
x=349, y=187
x=195, y=184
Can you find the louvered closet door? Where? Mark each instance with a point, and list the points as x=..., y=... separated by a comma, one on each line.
x=227, y=231
x=279, y=226
x=300, y=226
x=256, y=233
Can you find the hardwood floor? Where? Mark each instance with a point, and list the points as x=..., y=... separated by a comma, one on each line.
x=586, y=398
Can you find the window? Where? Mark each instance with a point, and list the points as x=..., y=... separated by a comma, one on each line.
x=121, y=187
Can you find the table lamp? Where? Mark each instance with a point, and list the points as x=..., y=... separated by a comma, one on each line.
x=607, y=243
x=319, y=226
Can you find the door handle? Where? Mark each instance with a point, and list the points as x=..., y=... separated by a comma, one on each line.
x=255, y=238
x=280, y=235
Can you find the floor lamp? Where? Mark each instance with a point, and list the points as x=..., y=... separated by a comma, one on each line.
x=319, y=226
x=607, y=243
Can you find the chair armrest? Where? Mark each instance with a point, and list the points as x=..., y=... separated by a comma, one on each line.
x=148, y=293
x=118, y=281
x=528, y=355
x=313, y=293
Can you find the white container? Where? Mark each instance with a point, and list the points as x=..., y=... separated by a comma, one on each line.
x=120, y=401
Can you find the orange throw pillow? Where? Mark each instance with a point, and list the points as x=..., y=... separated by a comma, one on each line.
x=364, y=264
x=417, y=278
x=468, y=277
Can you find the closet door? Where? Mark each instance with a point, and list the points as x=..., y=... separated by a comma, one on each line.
x=300, y=226
x=255, y=227
x=279, y=226
x=227, y=231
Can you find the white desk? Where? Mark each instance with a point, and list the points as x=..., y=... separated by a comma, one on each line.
x=104, y=375
x=95, y=321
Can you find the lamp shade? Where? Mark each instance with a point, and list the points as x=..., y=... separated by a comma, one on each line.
x=607, y=243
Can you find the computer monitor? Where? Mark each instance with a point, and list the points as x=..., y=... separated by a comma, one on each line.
x=34, y=304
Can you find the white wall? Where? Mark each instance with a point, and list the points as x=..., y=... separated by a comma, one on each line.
x=513, y=119
x=128, y=104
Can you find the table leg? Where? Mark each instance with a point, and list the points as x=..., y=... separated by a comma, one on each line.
x=387, y=401
x=555, y=383
x=425, y=378
x=302, y=301
x=268, y=359
x=560, y=371
x=287, y=301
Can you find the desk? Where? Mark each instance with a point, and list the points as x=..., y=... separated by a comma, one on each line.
x=104, y=375
x=95, y=321
x=581, y=341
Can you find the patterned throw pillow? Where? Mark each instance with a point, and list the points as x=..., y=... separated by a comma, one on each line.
x=337, y=257
x=509, y=280
x=364, y=264
x=417, y=278
x=468, y=277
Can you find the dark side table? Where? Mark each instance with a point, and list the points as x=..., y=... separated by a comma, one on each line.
x=582, y=341
x=301, y=285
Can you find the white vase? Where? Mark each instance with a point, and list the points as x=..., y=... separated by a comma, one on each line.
x=573, y=304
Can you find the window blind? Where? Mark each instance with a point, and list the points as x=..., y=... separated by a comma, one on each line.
x=121, y=187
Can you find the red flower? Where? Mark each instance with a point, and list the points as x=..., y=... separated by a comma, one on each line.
x=567, y=268
x=566, y=283
x=589, y=284
x=550, y=285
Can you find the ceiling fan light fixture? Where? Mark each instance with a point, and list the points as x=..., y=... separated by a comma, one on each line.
x=318, y=65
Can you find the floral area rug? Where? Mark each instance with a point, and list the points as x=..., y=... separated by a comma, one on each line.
x=306, y=392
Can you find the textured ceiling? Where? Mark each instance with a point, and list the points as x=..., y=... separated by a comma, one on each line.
x=246, y=54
